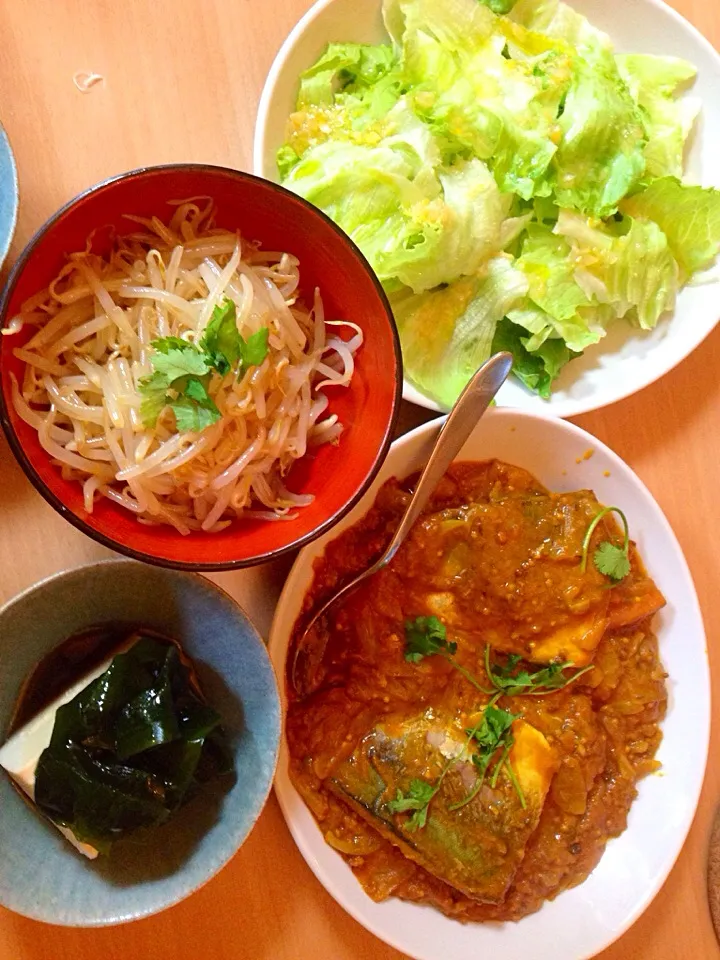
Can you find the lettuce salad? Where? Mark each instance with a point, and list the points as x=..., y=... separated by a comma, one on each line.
x=514, y=183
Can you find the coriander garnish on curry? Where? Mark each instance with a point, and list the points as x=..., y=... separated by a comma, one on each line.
x=488, y=704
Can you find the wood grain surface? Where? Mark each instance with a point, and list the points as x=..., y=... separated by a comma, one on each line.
x=181, y=82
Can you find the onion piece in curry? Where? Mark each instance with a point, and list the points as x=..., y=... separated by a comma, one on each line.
x=496, y=560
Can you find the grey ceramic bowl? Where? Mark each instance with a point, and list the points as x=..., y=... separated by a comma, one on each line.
x=42, y=876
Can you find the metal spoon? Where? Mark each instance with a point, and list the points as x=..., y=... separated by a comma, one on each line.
x=469, y=408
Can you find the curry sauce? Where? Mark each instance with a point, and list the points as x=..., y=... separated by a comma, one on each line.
x=496, y=558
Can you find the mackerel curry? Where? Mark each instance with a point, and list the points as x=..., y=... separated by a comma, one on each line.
x=487, y=703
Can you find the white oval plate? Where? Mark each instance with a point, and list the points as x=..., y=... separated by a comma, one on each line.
x=583, y=921
x=627, y=359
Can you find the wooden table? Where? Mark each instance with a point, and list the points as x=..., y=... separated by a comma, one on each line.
x=181, y=82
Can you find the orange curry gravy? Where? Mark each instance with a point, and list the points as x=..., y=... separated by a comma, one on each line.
x=497, y=559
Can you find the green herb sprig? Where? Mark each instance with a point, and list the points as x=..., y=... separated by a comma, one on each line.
x=493, y=734
x=182, y=371
x=225, y=346
x=539, y=683
x=417, y=798
x=420, y=793
x=611, y=560
x=427, y=637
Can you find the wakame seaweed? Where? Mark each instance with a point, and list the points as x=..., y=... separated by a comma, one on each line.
x=130, y=748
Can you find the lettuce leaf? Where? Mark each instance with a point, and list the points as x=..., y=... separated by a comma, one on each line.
x=628, y=265
x=654, y=83
x=499, y=6
x=536, y=370
x=466, y=222
x=447, y=334
x=600, y=158
x=643, y=275
x=558, y=305
x=458, y=25
x=286, y=158
x=344, y=66
x=535, y=322
x=546, y=262
x=555, y=19
x=688, y=216
x=477, y=100
x=357, y=185
x=346, y=94
x=417, y=225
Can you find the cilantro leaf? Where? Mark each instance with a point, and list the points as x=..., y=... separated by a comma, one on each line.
x=418, y=820
x=153, y=390
x=550, y=677
x=169, y=343
x=418, y=795
x=196, y=389
x=425, y=637
x=494, y=727
x=175, y=363
x=176, y=382
x=612, y=561
x=191, y=416
x=255, y=348
x=481, y=760
x=493, y=732
x=417, y=798
x=222, y=341
x=512, y=682
x=194, y=409
x=225, y=346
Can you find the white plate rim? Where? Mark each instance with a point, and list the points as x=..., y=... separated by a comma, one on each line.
x=288, y=608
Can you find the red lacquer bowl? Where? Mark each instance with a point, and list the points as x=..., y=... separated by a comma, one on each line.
x=337, y=475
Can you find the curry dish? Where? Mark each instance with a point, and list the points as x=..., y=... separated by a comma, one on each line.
x=487, y=703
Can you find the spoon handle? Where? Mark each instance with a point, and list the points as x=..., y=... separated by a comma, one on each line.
x=470, y=406
x=462, y=419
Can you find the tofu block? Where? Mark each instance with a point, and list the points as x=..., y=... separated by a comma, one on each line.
x=20, y=754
